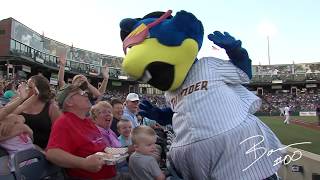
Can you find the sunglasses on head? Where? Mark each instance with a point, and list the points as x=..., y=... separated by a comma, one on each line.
x=141, y=32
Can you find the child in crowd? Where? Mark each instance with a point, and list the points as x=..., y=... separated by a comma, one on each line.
x=142, y=164
x=18, y=136
x=124, y=127
x=15, y=136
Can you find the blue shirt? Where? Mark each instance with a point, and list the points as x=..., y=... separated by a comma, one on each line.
x=131, y=117
x=124, y=142
x=9, y=94
x=148, y=122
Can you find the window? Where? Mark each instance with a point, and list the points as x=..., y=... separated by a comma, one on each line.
x=260, y=91
x=12, y=44
x=28, y=49
x=22, y=48
x=143, y=90
x=82, y=67
x=68, y=63
x=32, y=53
x=55, y=60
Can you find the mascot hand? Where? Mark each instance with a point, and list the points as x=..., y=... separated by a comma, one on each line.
x=238, y=55
x=224, y=41
x=162, y=116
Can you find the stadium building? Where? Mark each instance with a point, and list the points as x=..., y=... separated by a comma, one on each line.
x=24, y=52
x=286, y=78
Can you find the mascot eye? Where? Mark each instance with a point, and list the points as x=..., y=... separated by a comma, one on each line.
x=139, y=34
x=128, y=49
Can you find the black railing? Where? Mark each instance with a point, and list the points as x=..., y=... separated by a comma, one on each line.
x=18, y=48
x=286, y=78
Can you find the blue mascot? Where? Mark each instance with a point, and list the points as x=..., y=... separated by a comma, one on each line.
x=217, y=135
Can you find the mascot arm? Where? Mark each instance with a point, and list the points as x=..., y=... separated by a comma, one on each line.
x=238, y=55
x=162, y=115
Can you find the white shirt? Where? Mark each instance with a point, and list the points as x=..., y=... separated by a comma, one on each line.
x=287, y=111
x=210, y=101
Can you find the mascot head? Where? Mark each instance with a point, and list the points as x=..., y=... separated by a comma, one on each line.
x=160, y=49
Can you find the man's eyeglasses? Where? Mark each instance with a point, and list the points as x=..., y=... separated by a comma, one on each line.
x=142, y=32
x=84, y=93
x=81, y=93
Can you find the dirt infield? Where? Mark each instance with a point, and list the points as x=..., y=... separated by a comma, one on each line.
x=305, y=124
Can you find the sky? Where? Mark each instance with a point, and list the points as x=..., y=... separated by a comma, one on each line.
x=293, y=26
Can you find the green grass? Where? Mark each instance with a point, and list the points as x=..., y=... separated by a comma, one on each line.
x=289, y=134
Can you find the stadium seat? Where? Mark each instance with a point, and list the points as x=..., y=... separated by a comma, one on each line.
x=3, y=152
x=5, y=173
x=4, y=101
x=36, y=168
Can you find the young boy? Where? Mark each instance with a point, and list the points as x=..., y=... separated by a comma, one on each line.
x=142, y=165
x=124, y=128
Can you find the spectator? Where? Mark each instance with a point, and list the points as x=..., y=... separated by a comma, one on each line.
x=147, y=122
x=1, y=88
x=18, y=135
x=82, y=80
x=142, y=165
x=101, y=114
x=117, y=106
x=124, y=128
x=14, y=134
x=131, y=109
x=9, y=91
x=40, y=111
x=75, y=139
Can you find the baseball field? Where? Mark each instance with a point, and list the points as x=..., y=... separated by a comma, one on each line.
x=301, y=129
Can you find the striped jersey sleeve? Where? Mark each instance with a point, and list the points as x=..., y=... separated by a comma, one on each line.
x=228, y=72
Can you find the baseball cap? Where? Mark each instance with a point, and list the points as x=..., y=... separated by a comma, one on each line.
x=64, y=92
x=132, y=97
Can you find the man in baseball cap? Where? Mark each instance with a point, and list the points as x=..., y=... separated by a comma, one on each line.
x=131, y=108
x=75, y=140
x=132, y=97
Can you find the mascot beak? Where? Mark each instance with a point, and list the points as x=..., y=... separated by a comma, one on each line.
x=161, y=66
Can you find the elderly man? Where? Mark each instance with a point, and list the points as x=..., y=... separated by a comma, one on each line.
x=131, y=109
x=75, y=139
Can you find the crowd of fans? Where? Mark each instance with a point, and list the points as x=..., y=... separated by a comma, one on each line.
x=157, y=100
x=306, y=101
x=74, y=125
x=37, y=115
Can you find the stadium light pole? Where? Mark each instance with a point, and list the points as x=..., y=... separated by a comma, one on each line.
x=267, y=29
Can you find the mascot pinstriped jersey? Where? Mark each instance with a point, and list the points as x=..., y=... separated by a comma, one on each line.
x=217, y=135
